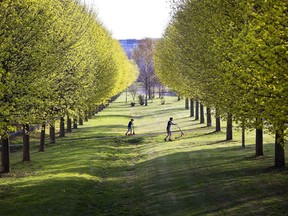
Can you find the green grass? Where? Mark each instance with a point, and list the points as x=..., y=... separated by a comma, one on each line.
x=96, y=170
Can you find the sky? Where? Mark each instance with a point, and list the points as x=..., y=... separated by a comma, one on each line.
x=132, y=19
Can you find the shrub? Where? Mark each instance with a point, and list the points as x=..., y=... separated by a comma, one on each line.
x=141, y=99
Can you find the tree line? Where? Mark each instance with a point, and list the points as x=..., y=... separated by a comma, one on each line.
x=57, y=63
x=231, y=56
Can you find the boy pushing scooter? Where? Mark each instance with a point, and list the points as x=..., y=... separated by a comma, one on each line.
x=130, y=128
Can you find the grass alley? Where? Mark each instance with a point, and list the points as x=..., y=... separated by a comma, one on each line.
x=97, y=170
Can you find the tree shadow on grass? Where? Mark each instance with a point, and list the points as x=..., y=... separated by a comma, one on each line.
x=214, y=182
x=133, y=140
x=205, y=134
x=100, y=130
x=112, y=116
x=162, y=112
x=91, y=179
x=109, y=178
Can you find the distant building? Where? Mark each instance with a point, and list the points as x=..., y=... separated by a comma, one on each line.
x=129, y=45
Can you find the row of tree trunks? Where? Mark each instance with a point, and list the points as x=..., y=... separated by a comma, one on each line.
x=199, y=108
x=88, y=115
x=199, y=113
x=5, y=141
x=26, y=139
x=279, y=157
x=279, y=135
x=196, y=110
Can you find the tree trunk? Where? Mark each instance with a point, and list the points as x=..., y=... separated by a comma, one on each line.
x=197, y=110
x=202, y=119
x=69, y=124
x=42, y=138
x=52, y=132
x=259, y=139
x=146, y=91
x=5, y=154
x=75, y=126
x=229, y=131
x=279, y=149
x=243, y=137
x=179, y=98
x=80, y=120
x=90, y=113
x=209, y=120
x=218, y=122
x=187, y=103
x=86, y=116
x=62, y=127
x=26, y=143
x=191, y=107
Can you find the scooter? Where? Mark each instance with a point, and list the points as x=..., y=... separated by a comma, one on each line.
x=133, y=132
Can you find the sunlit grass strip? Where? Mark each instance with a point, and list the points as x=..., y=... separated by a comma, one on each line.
x=96, y=170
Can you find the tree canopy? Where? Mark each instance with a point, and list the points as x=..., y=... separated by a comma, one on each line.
x=230, y=54
x=56, y=58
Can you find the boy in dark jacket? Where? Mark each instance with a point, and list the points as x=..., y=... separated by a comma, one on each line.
x=130, y=125
x=168, y=128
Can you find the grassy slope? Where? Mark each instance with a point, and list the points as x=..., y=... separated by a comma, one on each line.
x=97, y=171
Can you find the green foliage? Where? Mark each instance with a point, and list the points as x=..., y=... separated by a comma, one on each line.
x=56, y=55
x=230, y=55
x=56, y=59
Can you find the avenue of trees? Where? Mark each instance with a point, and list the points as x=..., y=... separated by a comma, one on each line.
x=57, y=62
x=231, y=56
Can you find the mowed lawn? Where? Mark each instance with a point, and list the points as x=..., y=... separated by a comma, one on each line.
x=97, y=170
